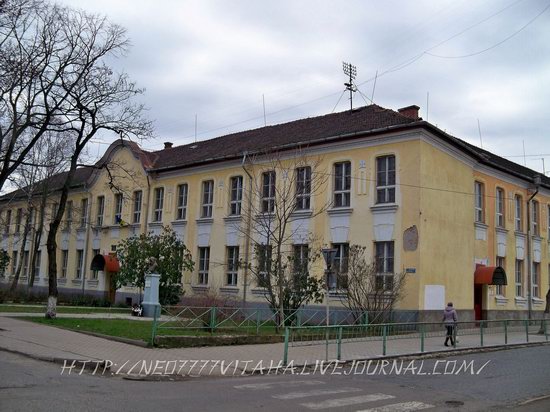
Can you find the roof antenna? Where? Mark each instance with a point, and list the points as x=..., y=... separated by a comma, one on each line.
x=351, y=71
x=263, y=100
x=524, y=157
x=479, y=131
x=195, y=128
x=374, y=86
x=543, y=168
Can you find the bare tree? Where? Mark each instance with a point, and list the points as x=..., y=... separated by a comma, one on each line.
x=282, y=188
x=369, y=288
x=95, y=99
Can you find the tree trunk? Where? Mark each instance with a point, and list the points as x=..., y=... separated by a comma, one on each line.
x=21, y=254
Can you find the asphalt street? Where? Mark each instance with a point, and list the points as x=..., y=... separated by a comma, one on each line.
x=517, y=379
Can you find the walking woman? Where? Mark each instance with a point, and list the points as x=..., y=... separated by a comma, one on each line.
x=449, y=319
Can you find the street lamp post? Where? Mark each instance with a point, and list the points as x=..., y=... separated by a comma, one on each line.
x=328, y=255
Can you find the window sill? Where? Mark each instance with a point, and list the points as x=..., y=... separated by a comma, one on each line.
x=521, y=235
x=76, y=281
x=232, y=218
x=302, y=213
x=500, y=229
x=538, y=301
x=62, y=281
x=384, y=207
x=481, y=225
x=155, y=224
x=92, y=283
x=205, y=220
x=337, y=294
x=335, y=211
x=81, y=229
x=229, y=289
x=259, y=291
x=200, y=288
x=501, y=300
x=179, y=222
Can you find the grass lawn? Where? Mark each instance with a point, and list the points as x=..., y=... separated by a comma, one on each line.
x=60, y=309
x=134, y=329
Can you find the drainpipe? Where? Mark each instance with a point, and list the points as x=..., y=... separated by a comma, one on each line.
x=537, y=182
x=248, y=228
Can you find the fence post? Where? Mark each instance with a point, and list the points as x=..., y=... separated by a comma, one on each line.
x=422, y=336
x=258, y=321
x=298, y=317
x=339, y=345
x=481, y=323
x=285, y=354
x=212, y=318
x=384, y=333
x=154, y=327
x=527, y=330
x=506, y=332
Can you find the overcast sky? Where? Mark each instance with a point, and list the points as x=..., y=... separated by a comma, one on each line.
x=486, y=60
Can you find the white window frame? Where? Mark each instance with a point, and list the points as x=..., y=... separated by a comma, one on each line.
x=265, y=255
x=385, y=179
x=158, y=204
x=100, y=210
x=535, y=217
x=269, y=180
x=117, y=216
x=519, y=277
x=138, y=200
x=25, y=269
x=207, y=204
x=342, y=184
x=64, y=263
x=79, y=263
x=232, y=274
x=500, y=289
x=236, y=195
x=83, y=213
x=300, y=254
x=204, y=265
x=303, y=188
x=535, y=278
x=8, y=222
x=479, y=202
x=384, y=257
x=518, y=215
x=36, y=268
x=338, y=274
x=181, y=205
x=500, y=207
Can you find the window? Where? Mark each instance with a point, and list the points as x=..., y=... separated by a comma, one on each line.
x=18, y=218
x=158, y=205
x=204, y=265
x=535, y=280
x=500, y=289
x=385, y=179
x=13, y=262
x=535, y=218
x=37, y=259
x=519, y=277
x=117, y=219
x=500, y=207
x=342, y=184
x=236, y=195
x=338, y=276
x=303, y=188
x=384, y=265
x=69, y=215
x=518, y=217
x=79, y=263
x=181, y=208
x=232, y=265
x=100, y=210
x=207, y=198
x=479, y=190
x=265, y=253
x=138, y=196
x=8, y=222
x=64, y=263
x=268, y=192
x=95, y=252
x=25, y=269
x=83, y=213
x=300, y=261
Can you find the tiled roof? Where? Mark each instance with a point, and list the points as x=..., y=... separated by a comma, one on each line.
x=301, y=132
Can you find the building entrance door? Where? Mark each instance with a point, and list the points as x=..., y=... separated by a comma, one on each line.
x=478, y=302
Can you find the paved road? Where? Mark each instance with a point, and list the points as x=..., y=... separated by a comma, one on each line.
x=503, y=379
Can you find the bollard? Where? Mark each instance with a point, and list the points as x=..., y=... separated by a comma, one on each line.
x=506, y=332
x=527, y=330
x=384, y=333
x=422, y=333
x=481, y=331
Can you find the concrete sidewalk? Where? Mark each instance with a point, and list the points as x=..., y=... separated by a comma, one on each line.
x=50, y=343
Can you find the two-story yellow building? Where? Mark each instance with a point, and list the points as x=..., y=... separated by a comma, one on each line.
x=444, y=212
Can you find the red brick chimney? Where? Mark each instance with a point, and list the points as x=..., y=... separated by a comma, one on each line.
x=168, y=145
x=410, y=111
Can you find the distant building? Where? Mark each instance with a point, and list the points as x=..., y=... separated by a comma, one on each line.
x=420, y=200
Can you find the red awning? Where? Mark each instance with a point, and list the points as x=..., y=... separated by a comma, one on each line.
x=107, y=263
x=490, y=275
